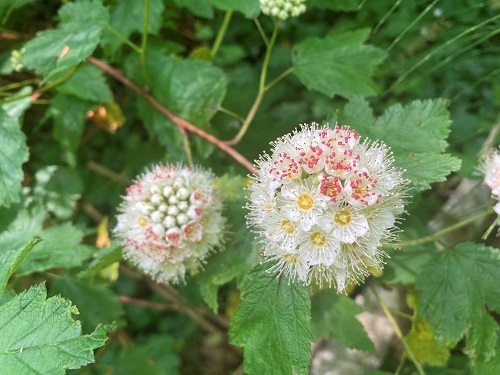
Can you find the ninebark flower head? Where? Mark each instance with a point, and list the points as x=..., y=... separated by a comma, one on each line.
x=170, y=221
x=492, y=176
x=324, y=204
x=282, y=9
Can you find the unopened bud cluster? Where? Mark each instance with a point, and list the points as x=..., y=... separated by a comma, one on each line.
x=324, y=204
x=15, y=59
x=170, y=221
x=492, y=177
x=283, y=9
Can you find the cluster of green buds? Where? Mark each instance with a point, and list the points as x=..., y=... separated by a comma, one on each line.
x=282, y=9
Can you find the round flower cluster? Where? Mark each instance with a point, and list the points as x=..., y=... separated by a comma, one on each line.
x=492, y=177
x=324, y=203
x=170, y=221
x=283, y=9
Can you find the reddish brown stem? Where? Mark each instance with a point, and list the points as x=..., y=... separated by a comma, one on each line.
x=14, y=36
x=182, y=124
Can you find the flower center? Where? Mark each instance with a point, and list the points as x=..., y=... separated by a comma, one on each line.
x=288, y=226
x=318, y=238
x=291, y=258
x=343, y=217
x=142, y=222
x=330, y=186
x=305, y=202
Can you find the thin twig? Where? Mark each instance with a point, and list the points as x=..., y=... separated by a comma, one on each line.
x=222, y=321
x=199, y=319
x=92, y=212
x=148, y=304
x=172, y=296
x=106, y=172
x=36, y=94
x=16, y=36
x=435, y=236
x=115, y=73
x=262, y=89
x=398, y=332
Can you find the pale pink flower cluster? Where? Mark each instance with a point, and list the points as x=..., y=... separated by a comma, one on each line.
x=324, y=203
x=492, y=177
x=170, y=221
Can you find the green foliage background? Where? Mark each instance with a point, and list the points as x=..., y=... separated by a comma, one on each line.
x=421, y=76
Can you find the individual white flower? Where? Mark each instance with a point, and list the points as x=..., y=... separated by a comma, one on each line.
x=301, y=203
x=492, y=176
x=170, y=221
x=282, y=9
x=333, y=204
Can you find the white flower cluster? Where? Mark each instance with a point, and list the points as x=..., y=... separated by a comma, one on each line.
x=283, y=9
x=324, y=203
x=170, y=221
x=492, y=177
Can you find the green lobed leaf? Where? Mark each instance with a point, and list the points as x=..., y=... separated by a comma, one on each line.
x=10, y=260
x=250, y=8
x=61, y=248
x=13, y=153
x=87, y=83
x=26, y=224
x=456, y=285
x=482, y=338
x=38, y=335
x=58, y=188
x=17, y=107
x=200, y=8
x=99, y=303
x=128, y=17
x=404, y=266
x=339, y=64
x=416, y=134
x=159, y=126
x=69, y=114
x=154, y=357
x=272, y=324
x=194, y=98
x=334, y=315
x=491, y=367
x=163, y=352
x=78, y=34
